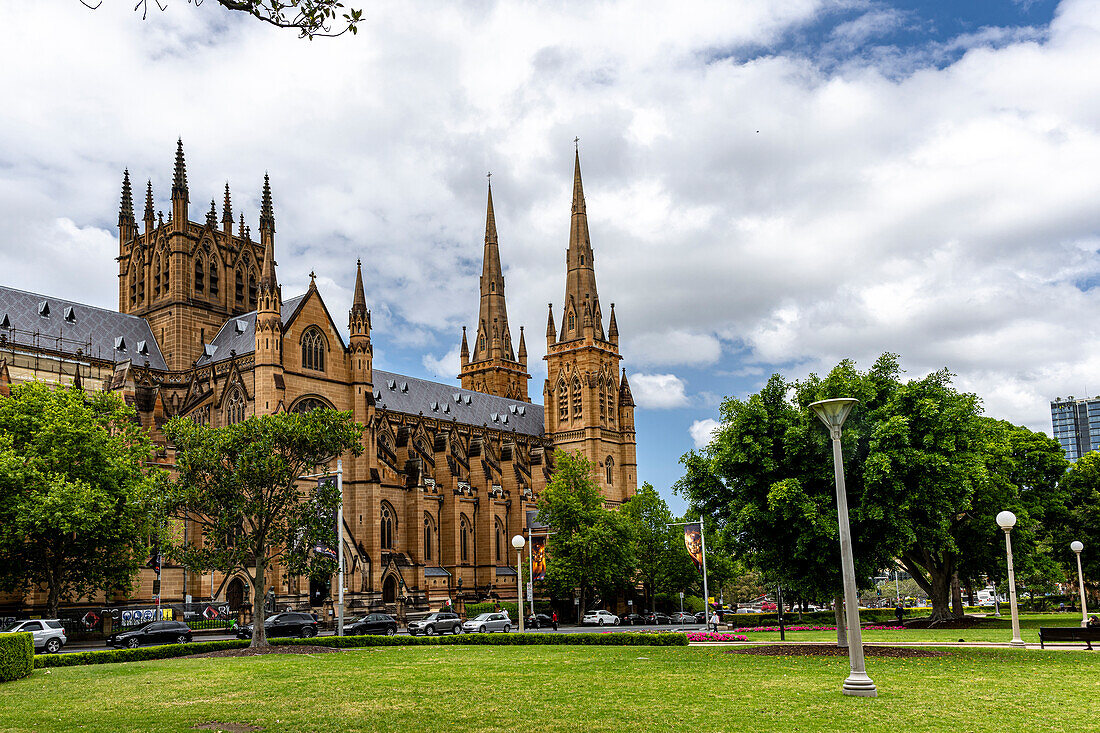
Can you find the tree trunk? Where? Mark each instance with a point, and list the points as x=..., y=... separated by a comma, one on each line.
x=970, y=592
x=934, y=578
x=259, y=608
x=53, y=597
x=940, y=596
x=841, y=625
x=956, y=597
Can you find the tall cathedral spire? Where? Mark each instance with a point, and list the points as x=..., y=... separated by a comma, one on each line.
x=491, y=365
x=493, y=315
x=179, y=174
x=126, y=207
x=267, y=238
x=227, y=211
x=580, y=278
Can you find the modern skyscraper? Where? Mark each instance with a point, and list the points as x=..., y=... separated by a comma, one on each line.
x=1076, y=425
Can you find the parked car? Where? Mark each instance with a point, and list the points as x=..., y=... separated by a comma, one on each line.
x=681, y=617
x=49, y=634
x=487, y=622
x=290, y=623
x=657, y=619
x=442, y=622
x=701, y=617
x=632, y=619
x=600, y=618
x=152, y=633
x=377, y=624
x=539, y=620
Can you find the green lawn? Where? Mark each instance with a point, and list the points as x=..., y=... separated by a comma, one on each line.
x=590, y=689
x=997, y=630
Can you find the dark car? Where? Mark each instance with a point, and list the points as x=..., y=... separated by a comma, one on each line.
x=443, y=622
x=701, y=617
x=540, y=620
x=657, y=619
x=290, y=623
x=377, y=624
x=633, y=619
x=152, y=633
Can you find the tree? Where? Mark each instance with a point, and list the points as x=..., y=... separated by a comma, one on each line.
x=74, y=492
x=926, y=474
x=1080, y=521
x=654, y=540
x=591, y=549
x=311, y=18
x=240, y=485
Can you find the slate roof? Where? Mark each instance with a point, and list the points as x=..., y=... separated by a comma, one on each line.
x=413, y=396
x=436, y=572
x=239, y=334
x=64, y=325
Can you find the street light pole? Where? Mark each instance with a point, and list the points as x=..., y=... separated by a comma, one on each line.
x=518, y=542
x=1077, y=547
x=1007, y=520
x=833, y=413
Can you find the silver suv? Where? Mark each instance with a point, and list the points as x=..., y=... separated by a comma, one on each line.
x=437, y=623
x=49, y=634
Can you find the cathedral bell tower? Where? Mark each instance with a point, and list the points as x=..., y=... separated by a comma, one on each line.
x=270, y=388
x=588, y=406
x=492, y=367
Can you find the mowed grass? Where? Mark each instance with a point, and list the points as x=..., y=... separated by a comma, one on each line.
x=991, y=630
x=589, y=689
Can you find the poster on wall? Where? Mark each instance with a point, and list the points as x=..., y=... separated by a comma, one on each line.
x=538, y=558
x=693, y=540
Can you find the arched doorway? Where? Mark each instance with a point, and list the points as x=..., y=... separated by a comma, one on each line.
x=389, y=589
x=234, y=594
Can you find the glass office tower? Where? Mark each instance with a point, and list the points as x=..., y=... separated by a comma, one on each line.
x=1076, y=425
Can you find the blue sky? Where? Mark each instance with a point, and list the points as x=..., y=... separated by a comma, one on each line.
x=772, y=186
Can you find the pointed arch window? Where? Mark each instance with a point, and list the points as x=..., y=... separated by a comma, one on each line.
x=164, y=273
x=133, y=287
x=238, y=291
x=387, y=527
x=313, y=350
x=234, y=407
x=199, y=276
x=429, y=526
x=563, y=401
x=576, y=399
x=141, y=282
x=500, y=541
x=572, y=321
x=464, y=538
x=610, y=463
x=156, y=275
x=213, y=276
x=611, y=391
x=603, y=401
x=251, y=288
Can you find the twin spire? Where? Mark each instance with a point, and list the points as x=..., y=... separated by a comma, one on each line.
x=494, y=337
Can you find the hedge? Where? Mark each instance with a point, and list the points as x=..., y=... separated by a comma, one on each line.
x=353, y=642
x=16, y=656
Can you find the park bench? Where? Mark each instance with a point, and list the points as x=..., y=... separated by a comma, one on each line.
x=1068, y=633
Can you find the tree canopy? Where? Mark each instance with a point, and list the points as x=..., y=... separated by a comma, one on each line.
x=241, y=486
x=926, y=473
x=311, y=18
x=591, y=548
x=75, y=490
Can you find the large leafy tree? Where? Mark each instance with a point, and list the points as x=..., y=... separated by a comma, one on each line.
x=311, y=18
x=591, y=548
x=926, y=474
x=240, y=484
x=75, y=485
x=654, y=539
x=1080, y=517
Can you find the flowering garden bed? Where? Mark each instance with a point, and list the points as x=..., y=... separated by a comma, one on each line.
x=745, y=629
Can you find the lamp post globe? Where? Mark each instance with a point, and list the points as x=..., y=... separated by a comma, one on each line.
x=1076, y=546
x=518, y=542
x=1006, y=520
x=833, y=413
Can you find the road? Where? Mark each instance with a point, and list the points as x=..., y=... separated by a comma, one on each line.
x=82, y=647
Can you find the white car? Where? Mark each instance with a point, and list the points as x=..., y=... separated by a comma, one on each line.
x=49, y=634
x=487, y=622
x=600, y=618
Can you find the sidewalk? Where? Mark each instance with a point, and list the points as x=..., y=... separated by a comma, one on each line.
x=1058, y=646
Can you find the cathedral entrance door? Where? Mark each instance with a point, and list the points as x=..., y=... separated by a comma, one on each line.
x=234, y=594
x=389, y=590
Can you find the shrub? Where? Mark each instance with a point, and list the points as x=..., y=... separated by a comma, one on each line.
x=353, y=642
x=16, y=656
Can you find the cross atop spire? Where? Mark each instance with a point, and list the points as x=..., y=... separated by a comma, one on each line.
x=360, y=299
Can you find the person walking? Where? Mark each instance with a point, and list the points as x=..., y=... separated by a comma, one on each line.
x=899, y=612
x=714, y=620
x=554, y=620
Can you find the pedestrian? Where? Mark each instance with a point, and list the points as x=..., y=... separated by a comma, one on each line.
x=1061, y=608
x=899, y=612
x=1093, y=622
x=714, y=621
x=554, y=619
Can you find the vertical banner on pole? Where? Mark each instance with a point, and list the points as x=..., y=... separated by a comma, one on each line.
x=538, y=557
x=329, y=518
x=693, y=540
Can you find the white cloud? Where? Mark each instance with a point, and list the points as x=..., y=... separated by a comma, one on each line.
x=658, y=391
x=702, y=432
x=445, y=367
x=674, y=347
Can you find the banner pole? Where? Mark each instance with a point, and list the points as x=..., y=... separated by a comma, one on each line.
x=531, y=569
x=706, y=593
x=340, y=545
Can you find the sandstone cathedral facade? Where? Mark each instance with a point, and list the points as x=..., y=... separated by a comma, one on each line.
x=448, y=474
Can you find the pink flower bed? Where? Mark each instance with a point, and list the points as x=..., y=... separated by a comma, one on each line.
x=711, y=636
